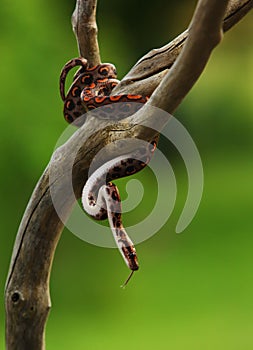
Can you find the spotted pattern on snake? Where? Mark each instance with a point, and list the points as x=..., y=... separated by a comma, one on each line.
x=90, y=89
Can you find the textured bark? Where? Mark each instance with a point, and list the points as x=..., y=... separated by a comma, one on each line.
x=27, y=298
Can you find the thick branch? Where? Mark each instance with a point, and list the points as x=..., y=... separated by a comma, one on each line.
x=27, y=288
x=144, y=78
x=204, y=34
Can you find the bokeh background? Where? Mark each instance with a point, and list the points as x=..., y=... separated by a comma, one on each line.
x=193, y=290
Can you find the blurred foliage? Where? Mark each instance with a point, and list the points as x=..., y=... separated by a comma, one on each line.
x=193, y=290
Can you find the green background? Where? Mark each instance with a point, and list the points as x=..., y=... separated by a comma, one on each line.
x=193, y=290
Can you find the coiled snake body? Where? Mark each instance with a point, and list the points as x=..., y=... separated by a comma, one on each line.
x=90, y=89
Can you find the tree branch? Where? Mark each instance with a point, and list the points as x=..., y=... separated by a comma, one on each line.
x=204, y=34
x=148, y=72
x=27, y=297
x=85, y=28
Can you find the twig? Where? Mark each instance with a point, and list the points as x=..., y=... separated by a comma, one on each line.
x=27, y=298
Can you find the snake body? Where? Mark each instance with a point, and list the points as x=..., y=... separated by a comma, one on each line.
x=91, y=88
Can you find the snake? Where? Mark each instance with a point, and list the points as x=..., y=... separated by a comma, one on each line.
x=92, y=88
